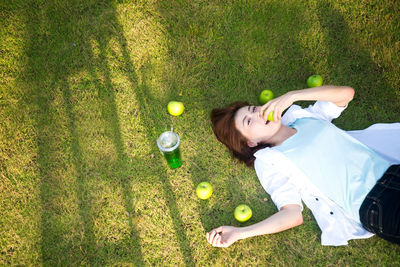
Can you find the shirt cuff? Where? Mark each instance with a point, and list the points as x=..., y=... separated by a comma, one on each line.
x=329, y=109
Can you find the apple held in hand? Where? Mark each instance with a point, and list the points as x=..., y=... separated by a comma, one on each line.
x=265, y=96
x=243, y=213
x=271, y=116
x=204, y=190
x=314, y=81
x=175, y=108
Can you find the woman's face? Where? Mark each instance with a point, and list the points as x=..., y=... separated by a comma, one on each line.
x=253, y=127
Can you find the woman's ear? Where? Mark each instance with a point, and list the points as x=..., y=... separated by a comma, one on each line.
x=251, y=144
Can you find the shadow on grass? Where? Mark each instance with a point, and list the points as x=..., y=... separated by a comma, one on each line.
x=229, y=62
x=233, y=72
x=52, y=59
x=150, y=122
x=50, y=148
x=106, y=98
x=352, y=65
x=83, y=196
x=222, y=50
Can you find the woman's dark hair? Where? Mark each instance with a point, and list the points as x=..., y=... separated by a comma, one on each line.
x=223, y=126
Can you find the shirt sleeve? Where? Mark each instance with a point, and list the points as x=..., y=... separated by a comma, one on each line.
x=325, y=110
x=277, y=185
x=383, y=138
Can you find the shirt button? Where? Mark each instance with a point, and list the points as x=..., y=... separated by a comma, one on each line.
x=316, y=199
x=331, y=212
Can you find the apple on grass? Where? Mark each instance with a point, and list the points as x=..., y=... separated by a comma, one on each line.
x=265, y=96
x=204, y=190
x=243, y=213
x=175, y=108
x=314, y=81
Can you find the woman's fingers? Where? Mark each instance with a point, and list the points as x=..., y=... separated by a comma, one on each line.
x=267, y=111
x=217, y=241
x=220, y=243
x=219, y=229
x=277, y=114
x=271, y=106
x=208, y=236
x=264, y=108
x=211, y=236
x=214, y=237
x=222, y=236
x=275, y=111
x=277, y=105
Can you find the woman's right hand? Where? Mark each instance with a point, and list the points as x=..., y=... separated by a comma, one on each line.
x=339, y=95
x=223, y=236
x=277, y=105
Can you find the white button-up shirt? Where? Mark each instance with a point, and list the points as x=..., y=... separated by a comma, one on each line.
x=287, y=184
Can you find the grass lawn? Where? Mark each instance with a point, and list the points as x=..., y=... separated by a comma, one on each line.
x=84, y=87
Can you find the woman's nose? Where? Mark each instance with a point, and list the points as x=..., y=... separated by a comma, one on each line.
x=257, y=112
x=255, y=115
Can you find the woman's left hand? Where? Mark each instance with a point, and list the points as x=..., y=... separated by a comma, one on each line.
x=277, y=105
x=223, y=236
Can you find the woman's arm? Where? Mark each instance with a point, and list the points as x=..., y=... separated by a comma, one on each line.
x=339, y=95
x=288, y=217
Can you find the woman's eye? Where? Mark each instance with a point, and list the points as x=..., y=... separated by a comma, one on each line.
x=248, y=122
x=254, y=109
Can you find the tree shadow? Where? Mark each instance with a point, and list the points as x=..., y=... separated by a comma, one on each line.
x=154, y=127
x=107, y=100
x=49, y=119
x=221, y=67
x=223, y=64
x=57, y=49
x=352, y=65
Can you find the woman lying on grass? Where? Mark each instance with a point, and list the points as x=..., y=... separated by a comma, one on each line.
x=347, y=179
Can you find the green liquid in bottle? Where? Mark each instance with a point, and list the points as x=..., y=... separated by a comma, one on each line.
x=173, y=158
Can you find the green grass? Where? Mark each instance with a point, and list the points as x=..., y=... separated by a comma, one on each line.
x=83, y=92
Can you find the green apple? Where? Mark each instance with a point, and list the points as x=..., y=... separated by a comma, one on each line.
x=314, y=81
x=243, y=213
x=265, y=96
x=204, y=190
x=271, y=116
x=175, y=108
